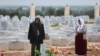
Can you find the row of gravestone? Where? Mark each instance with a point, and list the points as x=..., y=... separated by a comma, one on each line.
x=15, y=23
x=71, y=20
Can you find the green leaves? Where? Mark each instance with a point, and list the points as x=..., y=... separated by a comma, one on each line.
x=50, y=53
x=37, y=52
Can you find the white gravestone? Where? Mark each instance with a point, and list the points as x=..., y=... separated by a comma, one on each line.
x=31, y=19
x=71, y=22
x=9, y=21
x=15, y=23
x=25, y=22
x=4, y=23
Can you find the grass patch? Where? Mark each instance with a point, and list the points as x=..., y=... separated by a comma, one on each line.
x=55, y=24
x=91, y=21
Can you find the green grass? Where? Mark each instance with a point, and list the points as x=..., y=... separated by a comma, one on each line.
x=91, y=21
x=55, y=25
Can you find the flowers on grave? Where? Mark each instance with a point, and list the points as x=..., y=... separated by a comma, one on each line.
x=93, y=47
x=90, y=47
x=97, y=47
x=64, y=51
x=50, y=52
x=53, y=51
x=56, y=50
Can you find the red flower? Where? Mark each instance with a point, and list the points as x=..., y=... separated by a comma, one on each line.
x=64, y=51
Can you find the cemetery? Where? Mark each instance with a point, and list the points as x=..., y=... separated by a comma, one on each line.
x=13, y=35
x=59, y=33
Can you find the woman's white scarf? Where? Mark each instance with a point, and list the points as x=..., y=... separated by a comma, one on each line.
x=80, y=26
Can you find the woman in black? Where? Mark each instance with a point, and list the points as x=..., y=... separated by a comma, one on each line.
x=36, y=35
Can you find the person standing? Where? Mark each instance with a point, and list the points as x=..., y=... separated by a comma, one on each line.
x=36, y=35
x=80, y=39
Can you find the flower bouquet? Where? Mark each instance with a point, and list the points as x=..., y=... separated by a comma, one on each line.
x=97, y=47
x=50, y=52
x=56, y=51
x=53, y=51
x=93, y=47
x=64, y=52
x=90, y=47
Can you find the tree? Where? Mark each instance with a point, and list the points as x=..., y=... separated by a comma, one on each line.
x=50, y=11
x=39, y=13
x=60, y=12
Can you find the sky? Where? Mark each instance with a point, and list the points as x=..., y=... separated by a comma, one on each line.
x=48, y=2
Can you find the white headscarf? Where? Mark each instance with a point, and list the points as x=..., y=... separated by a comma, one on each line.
x=80, y=26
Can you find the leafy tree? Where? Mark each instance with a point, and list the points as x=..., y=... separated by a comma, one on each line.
x=50, y=11
x=60, y=12
x=39, y=13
